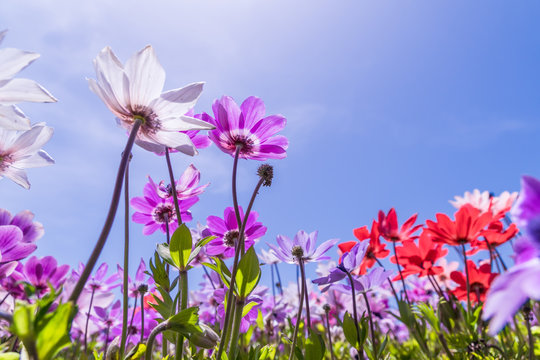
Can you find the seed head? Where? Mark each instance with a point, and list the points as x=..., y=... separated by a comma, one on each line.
x=266, y=172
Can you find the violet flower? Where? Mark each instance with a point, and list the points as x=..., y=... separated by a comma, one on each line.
x=246, y=125
x=526, y=210
x=141, y=279
x=303, y=245
x=350, y=261
x=186, y=187
x=227, y=232
x=42, y=272
x=157, y=213
x=365, y=283
x=12, y=248
x=24, y=220
x=509, y=291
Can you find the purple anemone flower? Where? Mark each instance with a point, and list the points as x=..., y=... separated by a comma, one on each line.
x=227, y=232
x=350, y=261
x=365, y=283
x=526, y=210
x=249, y=318
x=158, y=213
x=247, y=126
x=140, y=279
x=106, y=319
x=24, y=220
x=509, y=291
x=12, y=248
x=303, y=244
x=187, y=186
x=42, y=272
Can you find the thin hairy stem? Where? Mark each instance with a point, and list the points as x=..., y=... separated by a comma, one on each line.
x=126, y=262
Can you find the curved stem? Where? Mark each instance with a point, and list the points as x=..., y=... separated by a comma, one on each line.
x=306, y=295
x=389, y=281
x=400, y=274
x=329, y=335
x=298, y=317
x=110, y=216
x=126, y=262
x=355, y=314
x=234, y=192
x=373, y=339
x=88, y=320
x=150, y=341
x=173, y=187
x=468, y=281
x=142, y=317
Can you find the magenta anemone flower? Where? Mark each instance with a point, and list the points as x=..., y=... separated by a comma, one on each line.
x=141, y=279
x=227, y=232
x=21, y=150
x=134, y=91
x=187, y=186
x=304, y=244
x=247, y=126
x=12, y=248
x=158, y=213
x=42, y=272
x=24, y=220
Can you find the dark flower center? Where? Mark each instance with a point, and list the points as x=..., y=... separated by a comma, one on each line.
x=244, y=141
x=231, y=237
x=150, y=121
x=297, y=251
x=477, y=288
x=5, y=160
x=163, y=213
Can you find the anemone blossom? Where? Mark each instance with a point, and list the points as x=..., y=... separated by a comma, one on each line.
x=12, y=249
x=246, y=126
x=133, y=92
x=480, y=279
x=389, y=227
x=227, y=232
x=24, y=220
x=187, y=186
x=16, y=90
x=302, y=246
x=20, y=150
x=526, y=211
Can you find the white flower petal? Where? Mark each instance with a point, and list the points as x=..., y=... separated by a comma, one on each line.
x=12, y=118
x=150, y=146
x=111, y=77
x=17, y=175
x=17, y=90
x=146, y=77
x=31, y=141
x=184, y=123
x=108, y=98
x=177, y=101
x=175, y=140
x=39, y=159
x=14, y=60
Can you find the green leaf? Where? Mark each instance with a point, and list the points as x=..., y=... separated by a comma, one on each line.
x=165, y=253
x=315, y=347
x=23, y=322
x=136, y=352
x=180, y=247
x=9, y=356
x=186, y=321
x=349, y=330
x=54, y=335
x=248, y=307
x=248, y=273
x=268, y=352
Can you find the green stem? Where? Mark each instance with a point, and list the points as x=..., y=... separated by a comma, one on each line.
x=126, y=263
x=173, y=187
x=306, y=295
x=88, y=321
x=298, y=317
x=400, y=274
x=183, y=305
x=468, y=284
x=236, y=328
x=527, y=316
x=150, y=341
x=142, y=317
x=373, y=337
x=79, y=286
x=355, y=315
x=329, y=333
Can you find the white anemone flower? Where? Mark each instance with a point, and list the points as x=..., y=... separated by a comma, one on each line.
x=14, y=91
x=134, y=91
x=20, y=150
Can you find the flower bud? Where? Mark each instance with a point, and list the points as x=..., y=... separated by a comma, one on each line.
x=207, y=339
x=266, y=172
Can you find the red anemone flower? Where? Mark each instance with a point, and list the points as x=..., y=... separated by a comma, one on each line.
x=374, y=250
x=494, y=236
x=389, y=228
x=419, y=259
x=466, y=229
x=480, y=280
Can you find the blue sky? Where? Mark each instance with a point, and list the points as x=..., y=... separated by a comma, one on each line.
x=389, y=103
